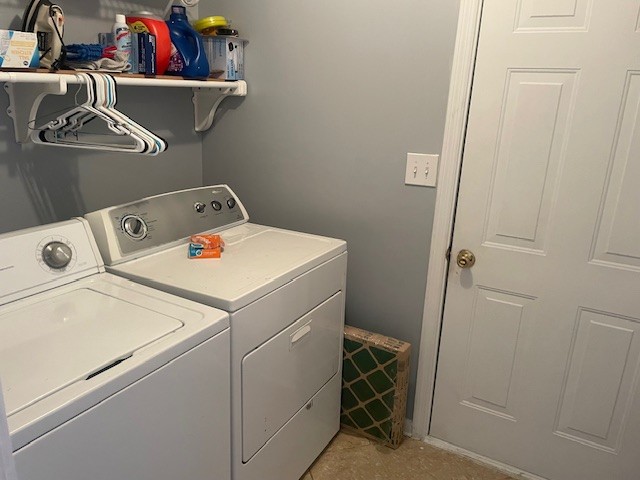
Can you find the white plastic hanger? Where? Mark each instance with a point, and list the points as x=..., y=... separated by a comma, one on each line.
x=64, y=131
x=156, y=144
x=81, y=113
x=67, y=129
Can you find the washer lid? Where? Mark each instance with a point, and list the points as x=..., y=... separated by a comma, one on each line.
x=50, y=344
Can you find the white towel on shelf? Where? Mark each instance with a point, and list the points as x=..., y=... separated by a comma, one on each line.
x=117, y=64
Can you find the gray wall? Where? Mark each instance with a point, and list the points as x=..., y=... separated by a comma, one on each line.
x=339, y=92
x=40, y=184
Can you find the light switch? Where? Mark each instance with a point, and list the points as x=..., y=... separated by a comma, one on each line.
x=422, y=169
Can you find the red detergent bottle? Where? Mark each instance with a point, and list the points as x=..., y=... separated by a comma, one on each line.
x=188, y=57
x=147, y=22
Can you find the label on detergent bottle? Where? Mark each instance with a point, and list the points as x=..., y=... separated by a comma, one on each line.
x=176, y=61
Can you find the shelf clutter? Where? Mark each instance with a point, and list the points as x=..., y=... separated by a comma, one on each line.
x=142, y=44
x=27, y=89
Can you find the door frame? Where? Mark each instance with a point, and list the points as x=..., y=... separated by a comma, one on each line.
x=446, y=198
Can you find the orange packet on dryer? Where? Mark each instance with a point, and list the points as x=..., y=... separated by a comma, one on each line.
x=208, y=240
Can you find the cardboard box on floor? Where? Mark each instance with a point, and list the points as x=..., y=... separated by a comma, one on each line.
x=375, y=380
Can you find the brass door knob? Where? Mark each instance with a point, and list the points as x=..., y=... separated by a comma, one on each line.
x=466, y=259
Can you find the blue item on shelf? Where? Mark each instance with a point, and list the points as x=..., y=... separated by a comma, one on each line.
x=84, y=52
x=188, y=59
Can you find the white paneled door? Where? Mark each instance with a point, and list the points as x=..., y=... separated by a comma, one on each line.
x=540, y=355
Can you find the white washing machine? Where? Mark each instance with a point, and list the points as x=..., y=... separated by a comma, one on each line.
x=104, y=379
x=284, y=291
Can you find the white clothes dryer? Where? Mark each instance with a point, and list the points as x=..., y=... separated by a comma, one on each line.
x=284, y=291
x=103, y=378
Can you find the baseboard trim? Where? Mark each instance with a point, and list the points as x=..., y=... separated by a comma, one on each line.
x=502, y=467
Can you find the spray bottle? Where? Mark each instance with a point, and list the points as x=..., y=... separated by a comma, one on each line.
x=122, y=37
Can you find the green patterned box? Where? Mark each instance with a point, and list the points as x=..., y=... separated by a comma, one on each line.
x=375, y=379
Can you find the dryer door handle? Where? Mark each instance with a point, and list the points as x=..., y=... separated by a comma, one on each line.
x=299, y=334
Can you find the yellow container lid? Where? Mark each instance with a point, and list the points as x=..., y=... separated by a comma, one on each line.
x=210, y=22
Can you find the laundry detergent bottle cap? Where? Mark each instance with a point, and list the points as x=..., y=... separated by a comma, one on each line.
x=188, y=57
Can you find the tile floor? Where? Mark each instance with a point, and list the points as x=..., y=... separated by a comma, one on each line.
x=350, y=457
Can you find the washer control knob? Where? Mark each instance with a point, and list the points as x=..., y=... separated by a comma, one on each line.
x=216, y=205
x=231, y=202
x=199, y=207
x=57, y=255
x=134, y=226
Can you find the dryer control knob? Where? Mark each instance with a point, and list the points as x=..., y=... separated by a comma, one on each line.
x=231, y=202
x=57, y=255
x=199, y=207
x=134, y=227
x=217, y=206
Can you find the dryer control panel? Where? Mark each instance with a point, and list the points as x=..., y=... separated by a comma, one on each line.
x=154, y=223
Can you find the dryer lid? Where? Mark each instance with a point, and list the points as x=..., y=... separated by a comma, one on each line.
x=256, y=260
x=49, y=344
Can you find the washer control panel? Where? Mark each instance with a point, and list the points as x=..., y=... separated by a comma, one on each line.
x=156, y=221
x=44, y=257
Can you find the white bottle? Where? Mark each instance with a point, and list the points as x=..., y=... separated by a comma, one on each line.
x=122, y=37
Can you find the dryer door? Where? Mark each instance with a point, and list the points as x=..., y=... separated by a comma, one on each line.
x=284, y=373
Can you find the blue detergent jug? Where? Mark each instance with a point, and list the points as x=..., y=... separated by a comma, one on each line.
x=188, y=57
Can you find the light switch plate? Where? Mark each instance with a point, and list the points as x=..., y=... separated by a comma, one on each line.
x=422, y=169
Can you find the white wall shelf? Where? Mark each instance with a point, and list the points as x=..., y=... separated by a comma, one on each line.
x=26, y=91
